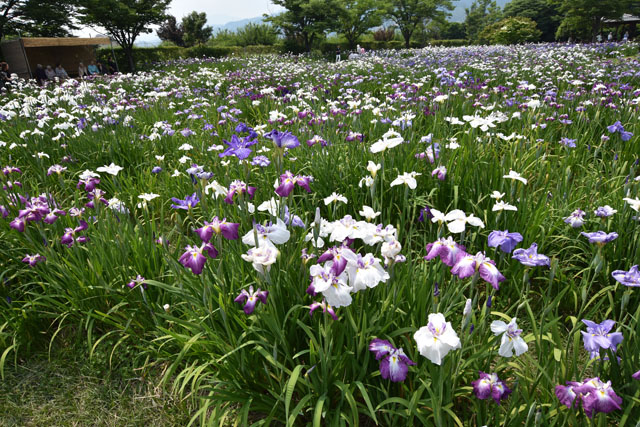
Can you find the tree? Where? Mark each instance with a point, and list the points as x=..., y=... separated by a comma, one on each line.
x=356, y=18
x=256, y=34
x=195, y=31
x=37, y=18
x=171, y=31
x=545, y=14
x=583, y=14
x=306, y=20
x=511, y=30
x=481, y=14
x=124, y=20
x=408, y=14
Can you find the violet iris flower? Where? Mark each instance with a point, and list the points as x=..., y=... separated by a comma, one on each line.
x=262, y=161
x=139, y=280
x=69, y=236
x=567, y=395
x=326, y=308
x=89, y=183
x=289, y=180
x=186, y=204
x=530, y=257
x=576, y=219
x=32, y=260
x=598, y=396
x=489, y=385
x=229, y=230
x=504, y=240
x=394, y=363
x=628, y=278
x=468, y=265
x=617, y=127
x=238, y=187
x=598, y=337
x=449, y=251
x=238, y=147
x=251, y=298
x=440, y=172
x=568, y=142
x=604, y=211
x=194, y=258
x=636, y=376
x=600, y=237
x=283, y=139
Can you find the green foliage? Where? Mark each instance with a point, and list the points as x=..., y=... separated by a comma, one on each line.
x=408, y=14
x=545, y=14
x=514, y=30
x=37, y=18
x=256, y=34
x=583, y=17
x=357, y=17
x=124, y=20
x=453, y=31
x=481, y=14
x=194, y=28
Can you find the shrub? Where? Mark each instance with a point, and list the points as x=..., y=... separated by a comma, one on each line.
x=384, y=34
x=513, y=30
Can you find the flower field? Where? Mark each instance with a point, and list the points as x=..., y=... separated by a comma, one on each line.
x=436, y=237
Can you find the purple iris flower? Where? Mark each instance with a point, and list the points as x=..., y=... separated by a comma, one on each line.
x=567, y=395
x=604, y=211
x=32, y=260
x=394, y=363
x=598, y=337
x=617, y=127
x=598, y=397
x=336, y=255
x=600, y=237
x=156, y=169
x=186, y=132
x=504, y=240
x=262, y=161
x=18, y=224
x=4, y=212
x=636, y=376
x=238, y=147
x=468, y=265
x=326, y=308
x=628, y=278
x=11, y=169
x=530, y=257
x=489, y=385
x=229, y=230
x=186, y=204
x=251, y=299
x=238, y=187
x=449, y=251
x=139, y=280
x=292, y=220
x=194, y=258
x=289, y=180
x=425, y=211
x=568, y=142
x=576, y=219
x=440, y=172
x=69, y=236
x=88, y=183
x=283, y=139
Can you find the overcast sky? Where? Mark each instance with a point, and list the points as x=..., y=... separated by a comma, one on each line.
x=218, y=12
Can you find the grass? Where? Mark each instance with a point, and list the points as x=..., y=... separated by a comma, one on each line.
x=70, y=390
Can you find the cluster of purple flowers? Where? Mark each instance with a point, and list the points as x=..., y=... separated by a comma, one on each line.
x=394, y=364
x=489, y=385
x=594, y=395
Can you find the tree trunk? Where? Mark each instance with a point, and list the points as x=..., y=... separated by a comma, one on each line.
x=128, y=51
x=407, y=38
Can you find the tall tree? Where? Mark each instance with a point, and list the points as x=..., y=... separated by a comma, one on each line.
x=481, y=14
x=306, y=20
x=124, y=20
x=195, y=29
x=357, y=17
x=589, y=14
x=545, y=14
x=43, y=18
x=171, y=31
x=408, y=14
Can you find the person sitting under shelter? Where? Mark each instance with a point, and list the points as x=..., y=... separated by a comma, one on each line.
x=61, y=73
x=41, y=75
x=5, y=76
x=101, y=68
x=93, y=68
x=50, y=73
x=82, y=71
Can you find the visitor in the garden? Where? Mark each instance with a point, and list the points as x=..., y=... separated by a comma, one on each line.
x=625, y=38
x=338, y=54
x=50, y=73
x=82, y=71
x=599, y=38
x=61, y=73
x=610, y=37
x=41, y=75
x=5, y=75
x=93, y=68
x=112, y=66
x=102, y=69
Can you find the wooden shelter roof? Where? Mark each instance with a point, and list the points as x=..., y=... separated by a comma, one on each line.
x=63, y=41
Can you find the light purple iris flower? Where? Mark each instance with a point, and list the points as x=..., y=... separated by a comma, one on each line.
x=449, y=251
x=394, y=363
x=628, y=278
x=283, y=139
x=604, y=211
x=326, y=308
x=600, y=237
x=238, y=187
x=504, y=240
x=617, y=127
x=229, y=230
x=250, y=299
x=32, y=260
x=567, y=395
x=440, y=172
x=139, y=280
x=598, y=337
x=194, y=258
x=568, y=142
x=598, y=396
x=468, y=265
x=89, y=183
x=576, y=219
x=186, y=204
x=489, y=385
x=530, y=257
x=69, y=236
x=289, y=180
x=238, y=147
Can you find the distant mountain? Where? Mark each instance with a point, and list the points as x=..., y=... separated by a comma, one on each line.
x=457, y=15
x=235, y=25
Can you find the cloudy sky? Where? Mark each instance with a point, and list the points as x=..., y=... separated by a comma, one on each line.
x=218, y=12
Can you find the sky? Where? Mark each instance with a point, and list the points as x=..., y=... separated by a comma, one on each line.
x=218, y=12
